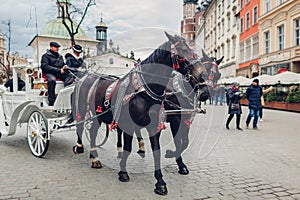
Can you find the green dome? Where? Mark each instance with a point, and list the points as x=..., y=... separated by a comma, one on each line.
x=56, y=28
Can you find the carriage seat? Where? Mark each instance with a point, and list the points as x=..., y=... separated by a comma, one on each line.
x=42, y=83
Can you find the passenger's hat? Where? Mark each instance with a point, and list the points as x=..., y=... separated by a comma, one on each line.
x=54, y=44
x=77, y=48
x=256, y=81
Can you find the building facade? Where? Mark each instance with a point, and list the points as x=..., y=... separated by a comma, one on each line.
x=222, y=34
x=249, y=38
x=279, y=36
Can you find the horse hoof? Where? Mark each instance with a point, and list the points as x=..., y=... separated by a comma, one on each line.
x=161, y=189
x=183, y=171
x=96, y=164
x=78, y=150
x=123, y=176
x=141, y=153
x=169, y=154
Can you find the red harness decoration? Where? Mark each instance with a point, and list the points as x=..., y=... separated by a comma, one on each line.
x=113, y=125
x=78, y=117
x=99, y=109
x=188, y=123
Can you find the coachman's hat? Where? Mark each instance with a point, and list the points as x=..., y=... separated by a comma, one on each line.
x=77, y=48
x=54, y=44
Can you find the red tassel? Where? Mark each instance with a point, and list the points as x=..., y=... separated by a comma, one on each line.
x=78, y=117
x=113, y=125
x=99, y=109
x=188, y=123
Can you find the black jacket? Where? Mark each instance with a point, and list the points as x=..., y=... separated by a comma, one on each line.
x=234, y=97
x=73, y=62
x=253, y=95
x=10, y=84
x=52, y=62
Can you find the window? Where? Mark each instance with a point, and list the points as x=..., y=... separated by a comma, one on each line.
x=242, y=52
x=242, y=3
x=228, y=23
x=247, y=21
x=233, y=47
x=267, y=42
x=297, y=31
x=247, y=1
x=267, y=5
x=281, y=37
x=223, y=28
x=280, y=1
x=255, y=15
x=111, y=61
x=228, y=50
x=222, y=6
x=248, y=50
x=228, y=3
x=242, y=25
x=255, y=47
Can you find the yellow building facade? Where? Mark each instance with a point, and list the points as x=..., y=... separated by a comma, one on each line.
x=279, y=36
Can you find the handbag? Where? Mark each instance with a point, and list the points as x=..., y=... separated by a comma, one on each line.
x=235, y=106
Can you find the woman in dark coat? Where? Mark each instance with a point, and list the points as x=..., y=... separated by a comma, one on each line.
x=234, y=106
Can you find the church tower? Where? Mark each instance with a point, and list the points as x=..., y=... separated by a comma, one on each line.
x=188, y=24
x=101, y=36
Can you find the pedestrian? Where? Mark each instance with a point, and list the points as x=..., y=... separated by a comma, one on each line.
x=216, y=95
x=265, y=91
x=73, y=60
x=234, y=106
x=53, y=66
x=222, y=94
x=253, y=95
x=9, y=83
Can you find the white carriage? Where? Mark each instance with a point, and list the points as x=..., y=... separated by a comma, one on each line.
x=31, y=106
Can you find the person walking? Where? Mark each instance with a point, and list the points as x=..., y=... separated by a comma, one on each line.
x=53, y=67
x=222, y=94
x=253, y=95
x=265, y=91
x=234, y=106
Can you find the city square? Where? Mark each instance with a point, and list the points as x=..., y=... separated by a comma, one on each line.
x=223, y=164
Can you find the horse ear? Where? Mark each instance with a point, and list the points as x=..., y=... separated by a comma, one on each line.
x=171, y=38
x=220, y=60
x=205, y=56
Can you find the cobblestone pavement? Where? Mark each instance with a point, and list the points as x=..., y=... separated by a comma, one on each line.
x=224, y=164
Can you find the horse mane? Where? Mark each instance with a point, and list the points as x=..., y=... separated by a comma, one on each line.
x=159, y=55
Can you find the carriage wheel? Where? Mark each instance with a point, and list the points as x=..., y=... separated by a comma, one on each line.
x=37, y=134
x=102, y=135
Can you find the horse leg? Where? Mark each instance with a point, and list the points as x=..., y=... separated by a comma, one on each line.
x=123, y=175
x=119, y=143
x=93, y=152
x=181, y=141
x=141, y=150
x=160, y=186
x=78, y=148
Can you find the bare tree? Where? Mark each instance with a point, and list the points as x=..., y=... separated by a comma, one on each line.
x=68, y=16
x=7, y=35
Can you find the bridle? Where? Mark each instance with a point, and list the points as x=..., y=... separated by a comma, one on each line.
x=212, y=71
x=177, y=61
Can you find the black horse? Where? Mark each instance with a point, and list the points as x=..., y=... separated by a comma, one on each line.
x=136, y=100
x=181, y=96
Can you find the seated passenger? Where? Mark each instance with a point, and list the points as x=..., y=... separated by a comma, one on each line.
x=9, y=83
x=53, y=67
x=73, y=60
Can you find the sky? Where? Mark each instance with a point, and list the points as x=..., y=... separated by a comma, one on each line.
x=136, y=25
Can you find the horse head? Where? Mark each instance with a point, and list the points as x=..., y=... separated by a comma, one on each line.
x=186, y=61
x=212, y=66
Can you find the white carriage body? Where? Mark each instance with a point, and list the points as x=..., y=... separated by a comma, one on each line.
x=15, y=106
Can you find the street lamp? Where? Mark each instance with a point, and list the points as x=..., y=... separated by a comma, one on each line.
x=36, y=32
